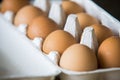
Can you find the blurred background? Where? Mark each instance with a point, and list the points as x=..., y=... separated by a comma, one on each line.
x=111, y=6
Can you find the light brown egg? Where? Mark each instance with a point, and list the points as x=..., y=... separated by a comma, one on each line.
x=58, y=40
x=78, y=58
x=86, y=20
x=71, y=7
x=41, y=27
x=27, y=14
x=101, y=32
x=109, y=53
x=13, y=5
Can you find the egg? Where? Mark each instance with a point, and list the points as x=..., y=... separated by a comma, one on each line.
x=27, y=14
x=41, y=27
x=58, y=40
x=109, y=53
x=71, y=7
x=86, y=20
x=78, y=57
x=13, y=5
x=101, y=32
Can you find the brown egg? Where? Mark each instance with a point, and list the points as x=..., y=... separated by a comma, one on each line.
x=78, y=58
x=71, y=7
x=58, y=40
x=27, y=14
x=102, y=32
x=13, y=5
x=109, y=52
x=86, y=20
x=41, y=27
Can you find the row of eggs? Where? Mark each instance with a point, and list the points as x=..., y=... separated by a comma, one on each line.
x=74, y=56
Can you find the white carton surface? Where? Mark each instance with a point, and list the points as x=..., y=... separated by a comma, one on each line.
x=22, y=59
x=19, y=58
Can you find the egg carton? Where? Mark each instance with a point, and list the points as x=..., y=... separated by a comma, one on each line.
x=19, y=58
x=33, y=46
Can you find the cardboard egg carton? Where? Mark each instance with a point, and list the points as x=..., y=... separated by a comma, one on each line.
x=19, y=58
x=23, y=52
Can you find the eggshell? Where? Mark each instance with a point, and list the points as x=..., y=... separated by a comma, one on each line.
x=13, y=5
x=41, y=27
x=58, y=40
x=86, y=20
x=101, y=32
x=109, y=52
x=78, y=57
x=27, y=14
x=71, y=7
